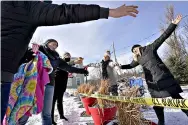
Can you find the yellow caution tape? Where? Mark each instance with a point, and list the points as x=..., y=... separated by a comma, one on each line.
x=162, y=102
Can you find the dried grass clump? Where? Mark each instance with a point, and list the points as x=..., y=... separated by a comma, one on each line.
x=86, y=89
x=104, y=90
x=129, y=113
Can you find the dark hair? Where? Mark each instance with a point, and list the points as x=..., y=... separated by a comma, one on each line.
x=50, y=40
x=136, y=45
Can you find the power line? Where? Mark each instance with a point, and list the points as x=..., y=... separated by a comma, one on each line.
x=141, y=40
x=149, y=36
x=166, y=42
x=119, y=33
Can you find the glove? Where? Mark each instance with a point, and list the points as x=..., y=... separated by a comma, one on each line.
x=86, y=72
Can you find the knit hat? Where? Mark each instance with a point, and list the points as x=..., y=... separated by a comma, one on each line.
x=107, y=54
x=80, y=58
x=50, y=40
x=136, y=45
x=66, y=55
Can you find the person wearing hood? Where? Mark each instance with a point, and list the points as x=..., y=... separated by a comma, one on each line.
x=61, y=79
x=110, y=72
x=161, y=83
x=49, y=49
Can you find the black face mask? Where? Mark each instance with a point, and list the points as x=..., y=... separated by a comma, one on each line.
x=67, y=59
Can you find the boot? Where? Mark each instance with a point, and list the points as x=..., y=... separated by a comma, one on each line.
x=160, y=115
x=54, y=123
x=185, y=111
x=63, y=117
x=161, y=123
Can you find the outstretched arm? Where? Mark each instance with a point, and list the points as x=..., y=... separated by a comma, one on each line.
x=64, y=66
x=133, y=64
x=45, y=14
x=158, y=42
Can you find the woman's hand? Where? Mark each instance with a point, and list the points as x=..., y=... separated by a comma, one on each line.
x=35, y=48
x=123, y=11
x=177, y=20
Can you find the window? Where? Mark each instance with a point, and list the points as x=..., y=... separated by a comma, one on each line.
x=78, y=80
x=69, y=82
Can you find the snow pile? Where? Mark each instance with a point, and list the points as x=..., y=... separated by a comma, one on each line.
x=72, y=112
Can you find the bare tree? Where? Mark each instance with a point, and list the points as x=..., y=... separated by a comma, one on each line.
x=185, y=33
x=176, y=42
x=177, y=47
x=173, y=39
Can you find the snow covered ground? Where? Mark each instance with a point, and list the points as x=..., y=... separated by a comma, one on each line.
x=72, y=112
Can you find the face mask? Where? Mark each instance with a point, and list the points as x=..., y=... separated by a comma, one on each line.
x=67, y=59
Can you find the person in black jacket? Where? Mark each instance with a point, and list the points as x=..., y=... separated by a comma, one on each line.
x=20, y=19
x=61, y=80
x=109, y=72
x=161, y=83
x=48, y=49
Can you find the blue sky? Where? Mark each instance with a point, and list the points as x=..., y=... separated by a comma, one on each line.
x=91, y=39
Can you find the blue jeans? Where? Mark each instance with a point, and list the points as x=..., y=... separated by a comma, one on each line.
x=5, y=90
x=46, y=112
x=48, y=99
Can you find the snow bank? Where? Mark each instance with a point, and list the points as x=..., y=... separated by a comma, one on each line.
x=72, y=112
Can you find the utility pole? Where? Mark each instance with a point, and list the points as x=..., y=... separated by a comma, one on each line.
x=116, y=60
x=114, y=53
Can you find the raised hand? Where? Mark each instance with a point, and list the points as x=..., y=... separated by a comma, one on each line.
x=177, y=20
x=35, y=48
x=123, y=11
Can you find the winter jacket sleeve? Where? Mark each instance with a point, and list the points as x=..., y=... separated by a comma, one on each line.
x=66, y=67
x=130, y=66
x=158, y=42
x=112, y=64
x=45, y=14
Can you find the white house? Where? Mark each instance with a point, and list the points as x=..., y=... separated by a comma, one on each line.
x=77, y=79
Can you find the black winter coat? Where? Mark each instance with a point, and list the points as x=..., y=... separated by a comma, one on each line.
x=104, y=68
x=61, y=80
x=20, y=19
x=162, y=79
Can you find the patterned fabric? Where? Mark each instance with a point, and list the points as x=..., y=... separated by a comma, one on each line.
x=22, y=98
